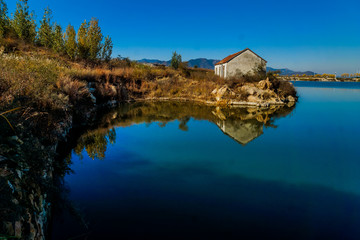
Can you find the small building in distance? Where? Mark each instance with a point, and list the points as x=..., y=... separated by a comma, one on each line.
x=245, y=62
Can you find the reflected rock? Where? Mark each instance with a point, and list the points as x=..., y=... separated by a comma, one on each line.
x=32, y=167
x=240, y=131
x=246, y=124
x=243, y=124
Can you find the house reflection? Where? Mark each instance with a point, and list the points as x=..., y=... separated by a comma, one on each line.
x=243, y=124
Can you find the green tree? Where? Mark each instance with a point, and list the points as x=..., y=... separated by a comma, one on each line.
x=4, y=19
x=83, y=45
x=70, y=42
x=58, y=39
x=175, y=60
x=23, y=22
x=107, y=49
x=94, y=39
x=45, y=34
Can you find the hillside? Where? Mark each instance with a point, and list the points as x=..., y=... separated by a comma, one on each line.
x=210, y=64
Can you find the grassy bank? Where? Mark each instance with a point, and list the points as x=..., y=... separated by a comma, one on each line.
x=40, y=80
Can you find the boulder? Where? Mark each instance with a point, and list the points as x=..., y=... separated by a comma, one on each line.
x=264, y=84
x=291, y=99
x=221, y=92
x=249, y=89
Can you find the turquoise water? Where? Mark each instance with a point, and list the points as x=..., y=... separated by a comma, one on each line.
x=185, y=172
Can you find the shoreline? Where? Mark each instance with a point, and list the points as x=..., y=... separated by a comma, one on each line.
x=318, y=80
x=215, y=103
x=48, y=152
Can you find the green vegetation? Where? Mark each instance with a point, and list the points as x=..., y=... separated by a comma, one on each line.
x=49, y=70
x=175, y=60
x=4, y=19
x=57, y=78
x=70, y=42
x=87, y=44
x=58, y=43
x=23, y=22
x=45, y=34
x=96, y=140
x=107, y=49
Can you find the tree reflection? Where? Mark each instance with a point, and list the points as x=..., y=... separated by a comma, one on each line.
x=95, y=143
x=243, y=124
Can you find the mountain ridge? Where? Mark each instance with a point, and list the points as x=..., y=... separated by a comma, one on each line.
x=210, y=63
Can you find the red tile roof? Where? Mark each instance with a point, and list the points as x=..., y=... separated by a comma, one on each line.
x=228, y=58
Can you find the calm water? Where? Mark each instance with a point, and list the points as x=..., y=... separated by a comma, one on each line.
x=182, y=171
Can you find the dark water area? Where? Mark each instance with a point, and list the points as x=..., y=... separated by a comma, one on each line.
x=186, y=171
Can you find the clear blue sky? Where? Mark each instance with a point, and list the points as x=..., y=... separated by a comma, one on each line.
x=317, y=35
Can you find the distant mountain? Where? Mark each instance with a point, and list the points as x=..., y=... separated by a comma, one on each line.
x=210, y=64
x=203, y=63
x=285, y=71
x=154, y=61
x=199, y=62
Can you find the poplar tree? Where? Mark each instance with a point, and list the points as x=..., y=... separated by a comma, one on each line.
x=83, y=45
x=45, y=34
x=94, y=39
x=58, y=39
x=107, y=49
x=23, y=22
x=70, y=42
x=4, y=19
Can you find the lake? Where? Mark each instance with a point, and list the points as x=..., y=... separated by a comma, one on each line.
x=186, y=171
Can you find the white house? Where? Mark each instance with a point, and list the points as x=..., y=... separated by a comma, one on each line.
x=241, y=63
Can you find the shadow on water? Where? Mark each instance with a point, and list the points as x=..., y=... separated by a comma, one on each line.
x=216, y=208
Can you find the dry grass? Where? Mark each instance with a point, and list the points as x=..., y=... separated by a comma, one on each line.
x=29, y=80
x=46, y=81
x=77, y=91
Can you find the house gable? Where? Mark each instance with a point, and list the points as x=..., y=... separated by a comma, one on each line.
x=243, y=62
x=232, y=56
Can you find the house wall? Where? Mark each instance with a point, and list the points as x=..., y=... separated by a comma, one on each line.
x=216, y=69
x=221, y=70
x=245, y=63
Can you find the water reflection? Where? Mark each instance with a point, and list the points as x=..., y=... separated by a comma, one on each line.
x=95, y=143
x=242, y=124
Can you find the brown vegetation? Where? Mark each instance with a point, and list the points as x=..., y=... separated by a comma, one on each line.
x=43, y=80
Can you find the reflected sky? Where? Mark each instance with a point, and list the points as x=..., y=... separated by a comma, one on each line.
x=297, y=175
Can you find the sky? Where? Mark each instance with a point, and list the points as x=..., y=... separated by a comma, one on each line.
x=316, y=35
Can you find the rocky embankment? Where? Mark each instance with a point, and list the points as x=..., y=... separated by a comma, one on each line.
x=29, y=160
x=28, y=172
x=252, y=94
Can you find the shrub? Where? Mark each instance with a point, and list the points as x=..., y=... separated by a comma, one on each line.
x=74, y=89
x=175, y=60
x=287, y=89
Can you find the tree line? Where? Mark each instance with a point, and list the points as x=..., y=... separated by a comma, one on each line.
x=347, y=75
x=87, y=43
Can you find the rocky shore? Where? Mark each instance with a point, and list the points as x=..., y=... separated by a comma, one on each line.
x=31, y=161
